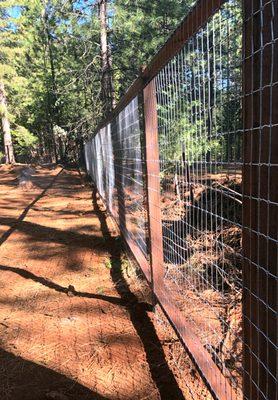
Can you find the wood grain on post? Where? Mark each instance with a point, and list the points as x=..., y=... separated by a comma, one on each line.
x=260, y=199
x=153, y=185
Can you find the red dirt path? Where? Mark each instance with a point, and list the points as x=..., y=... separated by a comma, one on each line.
x=70, y=327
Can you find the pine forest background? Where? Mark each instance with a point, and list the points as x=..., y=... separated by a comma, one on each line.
x=64, y=64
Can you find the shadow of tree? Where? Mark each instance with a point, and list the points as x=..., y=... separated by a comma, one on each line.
x=26, y=380
x=17, y=221
x=58, y=288
x=43, y=234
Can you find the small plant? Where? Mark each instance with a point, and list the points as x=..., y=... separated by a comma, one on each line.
x=125, y=265
x=100, y=290
x=108, y=264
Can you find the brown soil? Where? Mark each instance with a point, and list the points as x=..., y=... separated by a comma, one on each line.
x=71, y=326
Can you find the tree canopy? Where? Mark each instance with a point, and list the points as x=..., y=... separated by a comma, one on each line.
x=56, y=56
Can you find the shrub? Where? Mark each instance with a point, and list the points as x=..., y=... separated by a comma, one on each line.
x=25, y=143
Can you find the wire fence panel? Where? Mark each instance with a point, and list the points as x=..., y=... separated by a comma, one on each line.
x=202, y=172
x=115, y=161
x=130, y=174
x=260, y=217
x=200, y=136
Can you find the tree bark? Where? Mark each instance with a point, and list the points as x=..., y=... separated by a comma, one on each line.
x=8, y=144
x=107, y=87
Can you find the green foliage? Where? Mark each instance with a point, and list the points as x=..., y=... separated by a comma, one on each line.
x=139, y=29
x=2, y=111
x=50, y=66
x=24, y=141
x=199, y=106
x=50, y=58
x=185, y=138
x=108, y=264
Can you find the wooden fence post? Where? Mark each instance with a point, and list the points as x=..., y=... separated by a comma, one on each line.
x=153, y=186
x=260, y=199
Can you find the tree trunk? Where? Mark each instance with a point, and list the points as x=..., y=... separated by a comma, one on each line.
x=107, y=87
x=52, y=94
x=8, y=145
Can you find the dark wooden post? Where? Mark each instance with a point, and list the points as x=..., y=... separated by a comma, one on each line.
x=260, y=199
x=153, y=186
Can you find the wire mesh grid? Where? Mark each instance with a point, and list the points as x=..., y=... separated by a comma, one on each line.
x=200, y=138
x=260, y=199
x=115, y=161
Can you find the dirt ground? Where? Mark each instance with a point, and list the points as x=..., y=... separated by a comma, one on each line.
x=71, y=326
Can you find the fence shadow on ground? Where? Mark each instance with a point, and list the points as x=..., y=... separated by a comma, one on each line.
x=159, y=369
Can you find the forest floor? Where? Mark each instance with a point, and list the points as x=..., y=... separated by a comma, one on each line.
x=73, y=324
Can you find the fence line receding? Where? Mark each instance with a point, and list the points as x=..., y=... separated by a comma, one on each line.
x=185, y=164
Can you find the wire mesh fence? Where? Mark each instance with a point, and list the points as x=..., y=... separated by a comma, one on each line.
x=115, y=160
x=192, y=173
x=200, y=140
